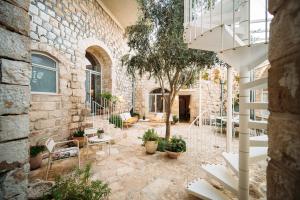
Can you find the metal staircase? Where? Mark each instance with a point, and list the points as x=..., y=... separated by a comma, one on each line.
x=238, y=31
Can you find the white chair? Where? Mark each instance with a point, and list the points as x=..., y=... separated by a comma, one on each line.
x=91, y=139
x=60, y=153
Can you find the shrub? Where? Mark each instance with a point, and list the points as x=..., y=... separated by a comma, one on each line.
x=35, y=150
x=134, y=114
x=162, y=142
x=175, y=119
x=176, y=144
x=150, y=135
x=78, y=133
x=116, y=120
x=78, y=186
x=108, y=96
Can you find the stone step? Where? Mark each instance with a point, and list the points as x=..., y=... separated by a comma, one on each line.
x=258, y=124
x=257, y=106
x=232, y=162
x=221, y=174
x=257, y=84
x=203, y=190
x=259, y=141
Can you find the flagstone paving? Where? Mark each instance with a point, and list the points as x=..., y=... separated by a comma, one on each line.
x=134, y=175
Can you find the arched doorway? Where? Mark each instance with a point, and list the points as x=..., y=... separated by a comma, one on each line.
x=98, y=73
x=93, y=81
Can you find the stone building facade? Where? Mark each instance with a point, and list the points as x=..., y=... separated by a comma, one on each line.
x=66, y=31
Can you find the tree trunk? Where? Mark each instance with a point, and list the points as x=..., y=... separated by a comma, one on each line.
x=168, y=113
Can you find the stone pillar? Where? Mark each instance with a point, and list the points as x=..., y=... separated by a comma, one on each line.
x=283, y=172
x=15, y=74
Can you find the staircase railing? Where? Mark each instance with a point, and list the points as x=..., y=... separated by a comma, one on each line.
x=105, y=109
x=247, y=20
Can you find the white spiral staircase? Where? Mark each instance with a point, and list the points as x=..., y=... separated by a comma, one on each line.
x=238, y=31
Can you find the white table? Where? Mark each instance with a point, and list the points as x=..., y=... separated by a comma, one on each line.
x=94, y=140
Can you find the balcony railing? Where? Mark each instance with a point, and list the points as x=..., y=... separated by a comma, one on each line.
x=246, y=20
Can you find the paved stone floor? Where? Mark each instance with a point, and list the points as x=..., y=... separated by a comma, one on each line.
x=134, y=175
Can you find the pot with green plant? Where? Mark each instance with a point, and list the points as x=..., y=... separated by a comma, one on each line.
x=100, y=133
x=36, y=156
x=150, y=139
x=79, y=136
x=175, y=147
x=175, y=119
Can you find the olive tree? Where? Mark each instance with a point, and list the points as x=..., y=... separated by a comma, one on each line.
x=157, y=50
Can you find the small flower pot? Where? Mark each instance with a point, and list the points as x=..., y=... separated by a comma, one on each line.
x=173, y=155
x=36, y=161
x=80, y=140
x=151, y=146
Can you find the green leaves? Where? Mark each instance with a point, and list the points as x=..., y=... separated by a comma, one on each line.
x=176, y=144
x=150, y=135
x=78, y=186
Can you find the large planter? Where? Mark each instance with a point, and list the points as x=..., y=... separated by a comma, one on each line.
x=151, y=146
x=36, y=161
x=80, y=140
x=173, y=155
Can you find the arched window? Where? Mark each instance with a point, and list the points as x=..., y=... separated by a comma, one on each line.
x=156, y=101
x=44, y=78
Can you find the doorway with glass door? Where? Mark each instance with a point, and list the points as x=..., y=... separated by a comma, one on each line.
x=93, y=86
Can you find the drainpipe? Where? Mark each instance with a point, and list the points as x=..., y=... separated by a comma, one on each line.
x=229, y=110
x=244, y=115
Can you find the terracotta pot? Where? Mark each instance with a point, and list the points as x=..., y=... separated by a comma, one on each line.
x=151, y=146
x=80, y=139
x=173, y=155
x=36, y=161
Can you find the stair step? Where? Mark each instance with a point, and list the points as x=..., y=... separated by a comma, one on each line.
x=257, y=154
x=258, y=124
x=232, y=161
x=259, y=141
x=257, y=106
x=223, y=176
x=202, y=189
x=257, y=84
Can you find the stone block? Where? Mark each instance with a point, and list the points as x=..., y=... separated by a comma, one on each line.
x=33, y=9
x=39, y=106
x=15, y=72
x=20, y=3
x=286, y=20
x=55, y=114
x=41, y=31
x=75, y=85
x=75, y=118
x=284, y=140
x=74, y=126
x=38, y=115
x=16, y=46
x=282, y=182
x=45, y=98
x=14, y=183
x=44, y=16
x=14, y=17
x=13, y=127
x=13, y=154
x=14, y=99
x=41, y=6
x=43, y=124
x=284, y=84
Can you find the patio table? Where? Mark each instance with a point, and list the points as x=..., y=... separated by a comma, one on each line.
x=95, y=140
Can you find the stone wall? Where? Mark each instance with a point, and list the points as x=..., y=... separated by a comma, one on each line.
x=15, y=73
x=210, y=97
x=65, y=30
x=283, y=172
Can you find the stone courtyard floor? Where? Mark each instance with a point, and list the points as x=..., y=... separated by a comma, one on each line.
x=134, y=175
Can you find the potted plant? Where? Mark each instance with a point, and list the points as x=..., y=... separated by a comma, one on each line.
x=150, y=139
x=36, y=157
x=100, y=133
x=175, y=119
x=79, y=135
x=175, y=147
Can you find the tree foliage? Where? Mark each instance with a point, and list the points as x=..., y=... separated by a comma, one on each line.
x=157, y=49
